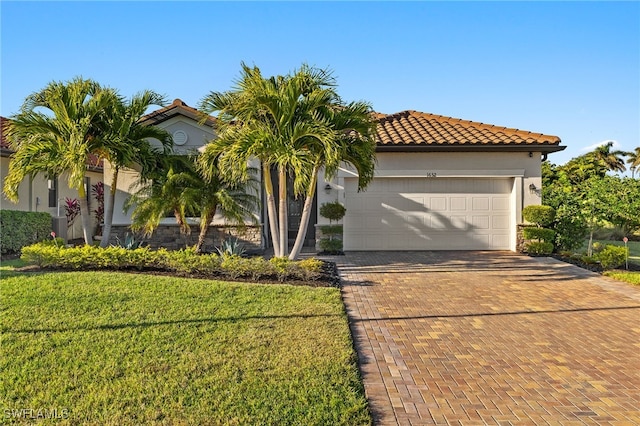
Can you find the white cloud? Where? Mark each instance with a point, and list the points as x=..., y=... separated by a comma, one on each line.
x=616, y=145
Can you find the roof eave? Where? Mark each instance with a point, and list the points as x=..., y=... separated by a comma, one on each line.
x=470, y=148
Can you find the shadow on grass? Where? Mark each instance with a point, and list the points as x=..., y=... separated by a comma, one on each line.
x=161, y=323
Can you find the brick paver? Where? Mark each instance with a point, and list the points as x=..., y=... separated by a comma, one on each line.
x=475, y=338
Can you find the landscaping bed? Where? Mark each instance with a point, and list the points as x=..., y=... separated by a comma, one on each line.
x=594, y=267
x=183, y=263
x=327, y=276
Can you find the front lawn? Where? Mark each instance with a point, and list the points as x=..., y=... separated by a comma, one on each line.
x=119, y=348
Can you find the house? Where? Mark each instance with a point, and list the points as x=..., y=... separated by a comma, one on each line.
x=441, y=183
x=43, y=193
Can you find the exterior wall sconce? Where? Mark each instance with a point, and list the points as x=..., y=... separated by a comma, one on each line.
x=532, y=188
x=327, y=189
x=530, y=154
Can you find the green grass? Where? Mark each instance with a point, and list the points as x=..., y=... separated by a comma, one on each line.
x=630, y=277
x=117, y=348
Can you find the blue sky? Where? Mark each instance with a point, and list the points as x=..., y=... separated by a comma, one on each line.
x=570, y=69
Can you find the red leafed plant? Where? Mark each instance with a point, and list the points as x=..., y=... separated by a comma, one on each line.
x=97, y=190
x=71, y=210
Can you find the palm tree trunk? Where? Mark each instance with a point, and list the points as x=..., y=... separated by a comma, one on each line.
x=282, y=211
x=205, y=220
x=271, y=208
x=108, y=214
x=85, y=215
x=306, y=214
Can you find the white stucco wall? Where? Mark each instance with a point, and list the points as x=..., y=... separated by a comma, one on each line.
x=34, y=196
x=524, y=169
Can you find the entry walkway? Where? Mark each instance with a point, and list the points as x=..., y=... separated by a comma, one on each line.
x=477, y=338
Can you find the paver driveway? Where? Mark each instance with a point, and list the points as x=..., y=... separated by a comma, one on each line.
x=492, y=338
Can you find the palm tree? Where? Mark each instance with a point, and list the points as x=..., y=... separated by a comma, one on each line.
x=178, y=186
x=634, y=161
x=128, y=143
x=55, y=132
x=611, y=160
x=284, y=122
x=161, y=191
x=235, y=201
x=355, y=129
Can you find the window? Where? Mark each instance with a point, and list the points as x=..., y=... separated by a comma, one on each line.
x=52, y=184
x=87, y=190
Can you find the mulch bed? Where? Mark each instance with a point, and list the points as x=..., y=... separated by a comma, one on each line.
x=329, y=276
x=590, y=266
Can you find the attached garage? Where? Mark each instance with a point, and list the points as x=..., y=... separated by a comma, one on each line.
x=418, y=213
x=441, y=183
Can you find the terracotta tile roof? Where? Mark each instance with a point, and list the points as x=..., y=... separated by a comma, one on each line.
x=421, y=131
x=177, y=107
x=4, y=143
x=94, y=163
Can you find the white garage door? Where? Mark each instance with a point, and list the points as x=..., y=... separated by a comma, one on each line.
x=428, y=214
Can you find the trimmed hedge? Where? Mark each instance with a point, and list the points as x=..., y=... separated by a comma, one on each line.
x=182, y=262
x=540, y=234
x=539, y=248
x=19, y=229
x=540, y=215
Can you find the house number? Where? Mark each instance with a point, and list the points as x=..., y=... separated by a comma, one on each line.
x=432, y=174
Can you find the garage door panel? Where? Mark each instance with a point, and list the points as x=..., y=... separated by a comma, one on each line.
x=428, y=214
x=500, y=204
x=458, y=203
x=480, y=222
x=439, y=223
x=459, y=223
x=480, y=203
x=438, y=204
x=500, y=222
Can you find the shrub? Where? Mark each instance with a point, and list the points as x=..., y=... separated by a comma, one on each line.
x=589, y=260
x=190, y=262
x=19, y=229
x=330, y=245
x=281, y=267
x=540, y=234
x=570, y=229
x=540, y=215
x=333, y=211
x=597, y=247
x=539, y=247
x=308, y=269
x=331, y=229
x=130, y=242
x=231, y=246
x=185, y=261
x=612, y=256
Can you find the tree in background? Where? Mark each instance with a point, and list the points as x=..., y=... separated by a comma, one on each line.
x=586, y=198
x=611, y=160
x=634, y=161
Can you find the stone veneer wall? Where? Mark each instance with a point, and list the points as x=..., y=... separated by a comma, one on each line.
x=520, y=238
x=169, y=237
